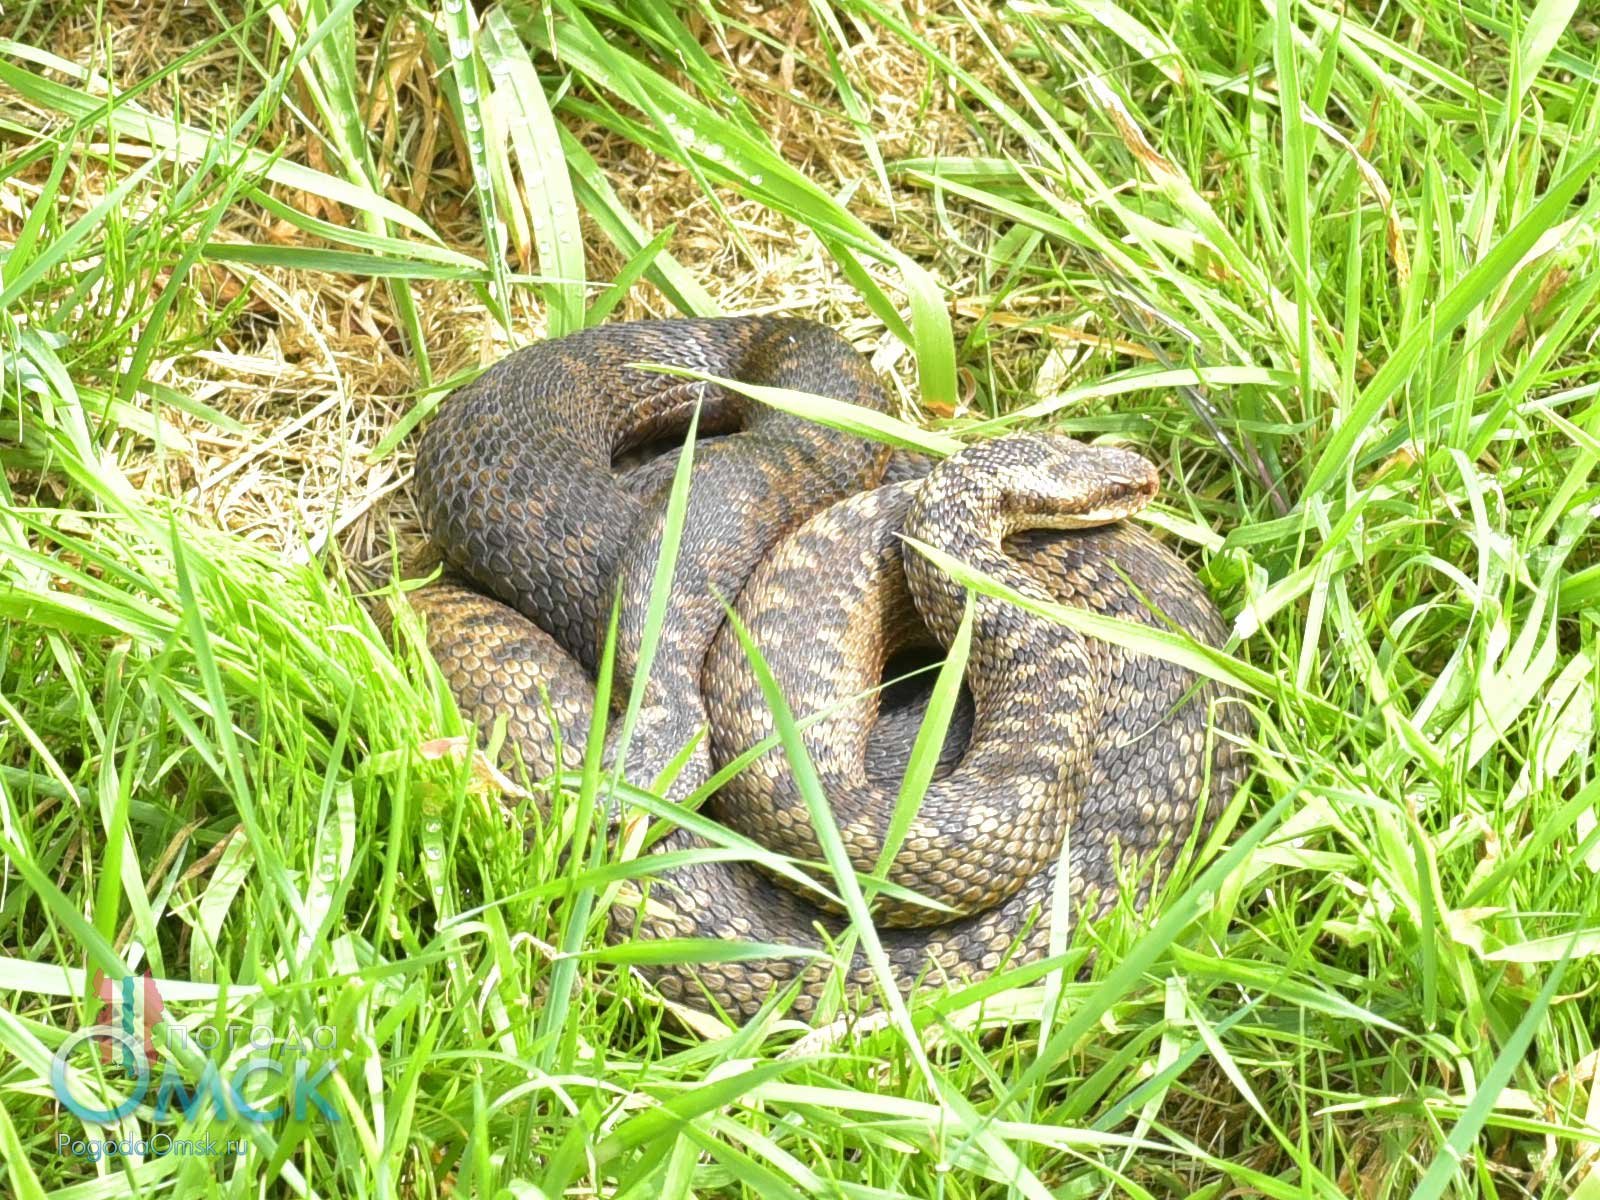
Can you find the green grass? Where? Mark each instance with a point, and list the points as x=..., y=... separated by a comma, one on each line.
x=1337, y=271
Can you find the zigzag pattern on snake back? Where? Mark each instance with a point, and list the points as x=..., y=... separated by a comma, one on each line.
x=517, y=480
x=515, y=483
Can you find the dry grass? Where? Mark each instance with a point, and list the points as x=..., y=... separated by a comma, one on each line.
x=315, y=369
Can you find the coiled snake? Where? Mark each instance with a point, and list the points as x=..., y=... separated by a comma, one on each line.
x=517, y=481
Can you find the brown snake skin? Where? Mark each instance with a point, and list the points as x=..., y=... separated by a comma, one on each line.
x=1063, y=737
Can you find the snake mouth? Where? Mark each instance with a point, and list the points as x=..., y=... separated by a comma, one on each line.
x=1105, y=514
x=1120, y=500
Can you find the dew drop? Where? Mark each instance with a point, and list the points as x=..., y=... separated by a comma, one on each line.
x=469, y=94
x=544, y=249
x=460, y=47
x=756, y=180
x=452, y=6
x=434, y=853
x=433, y=826
x=716, y=152
x=473, y=123
x=566, y=237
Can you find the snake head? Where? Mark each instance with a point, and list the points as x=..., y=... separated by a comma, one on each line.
x=1044, y=481
x=1095, y=485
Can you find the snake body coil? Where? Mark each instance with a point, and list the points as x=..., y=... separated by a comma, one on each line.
x=516, y=481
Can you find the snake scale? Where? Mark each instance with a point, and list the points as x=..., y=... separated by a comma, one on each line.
x=523, y=481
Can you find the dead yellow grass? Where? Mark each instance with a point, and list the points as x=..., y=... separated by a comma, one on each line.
x=314, y=366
